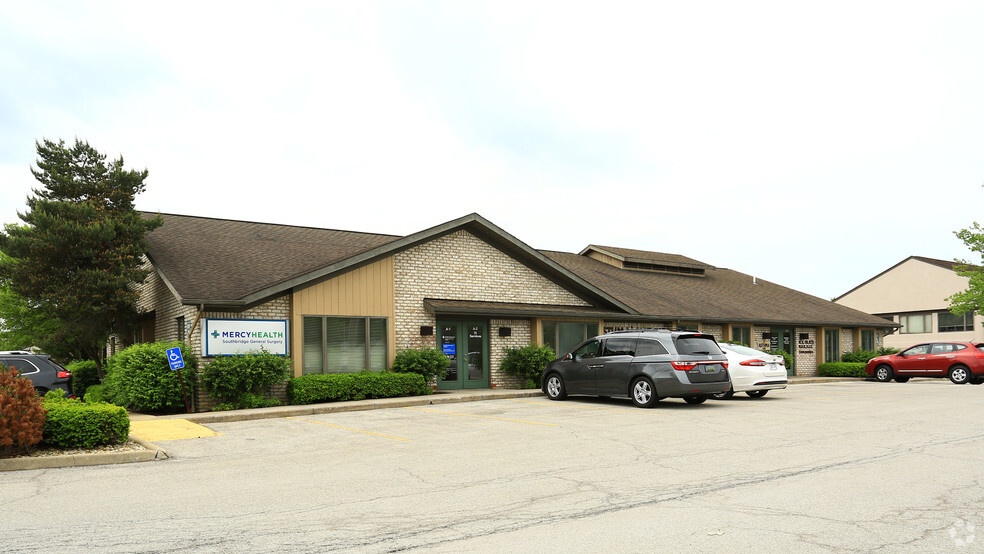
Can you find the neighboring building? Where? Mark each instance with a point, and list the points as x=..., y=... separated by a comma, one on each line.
x=339, y=301
x=913, y=294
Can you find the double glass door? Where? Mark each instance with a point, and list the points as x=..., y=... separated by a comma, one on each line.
x=466, y=344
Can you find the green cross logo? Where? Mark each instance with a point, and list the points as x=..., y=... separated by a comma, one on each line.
x=215, y=334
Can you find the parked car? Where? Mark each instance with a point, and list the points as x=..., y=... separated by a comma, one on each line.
x=753, y=372
x=45, y=374
x=645, y=365
x=962, y=362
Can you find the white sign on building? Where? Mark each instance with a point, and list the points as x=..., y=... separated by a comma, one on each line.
x=233, y=337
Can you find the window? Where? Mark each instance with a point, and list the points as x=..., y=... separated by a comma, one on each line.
x=867, y=339
x=180, y=322
x=138, y=335
x=741, y=335
x=918, y=323
x=648, y=347
x=831, y=345
x=949, y=322
x=343, y=344
x=589, y=350
x=563, y=336
x=620, y=346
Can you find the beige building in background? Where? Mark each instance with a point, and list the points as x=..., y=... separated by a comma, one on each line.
x=913, y=294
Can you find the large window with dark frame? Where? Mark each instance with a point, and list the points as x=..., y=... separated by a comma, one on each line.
x=949, y=322
x=867, y=339
x=741, y=334
x=563, y=336
x=343, y=344
x=916, y=323
x=831, y=345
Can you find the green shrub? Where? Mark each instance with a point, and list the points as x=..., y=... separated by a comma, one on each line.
x=245, y=401
x=75, y=424
x=886, y=350
x=95, y=393
x=140, y=378
x=429, y=362
x=527, y=362
x=841, y=369
x=22, y=417
x=241, y=381
x=859, y=357
x=309, y=389
x=84, y=375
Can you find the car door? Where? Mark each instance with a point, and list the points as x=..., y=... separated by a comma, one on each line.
x=579, y=368
x=912, y=361
x=941, y=356
x=612, y=367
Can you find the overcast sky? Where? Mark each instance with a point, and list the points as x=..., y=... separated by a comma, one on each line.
x=812, y=144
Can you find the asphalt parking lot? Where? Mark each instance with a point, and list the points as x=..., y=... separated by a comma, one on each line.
x=854, y=466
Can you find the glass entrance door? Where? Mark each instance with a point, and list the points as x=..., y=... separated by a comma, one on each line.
x=466, y=344
x=781, y=338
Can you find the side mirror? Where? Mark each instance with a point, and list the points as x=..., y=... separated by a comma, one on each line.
x=568, y=357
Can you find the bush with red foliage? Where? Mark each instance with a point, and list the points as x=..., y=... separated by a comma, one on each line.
x=21, y=414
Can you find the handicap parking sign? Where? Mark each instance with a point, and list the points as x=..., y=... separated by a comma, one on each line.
x=174, y=358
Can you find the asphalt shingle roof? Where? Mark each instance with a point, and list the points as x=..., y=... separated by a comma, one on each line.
x=721, y=294
x=219, y=259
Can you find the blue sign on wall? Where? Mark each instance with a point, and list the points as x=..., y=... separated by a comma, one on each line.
x=448, y=349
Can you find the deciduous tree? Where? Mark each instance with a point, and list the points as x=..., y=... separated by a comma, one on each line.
x=971, y=299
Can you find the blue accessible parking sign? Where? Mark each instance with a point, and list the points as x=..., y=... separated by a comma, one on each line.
x=174, y=358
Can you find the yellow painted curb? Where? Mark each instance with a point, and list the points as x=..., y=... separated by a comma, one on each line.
x=169, y=430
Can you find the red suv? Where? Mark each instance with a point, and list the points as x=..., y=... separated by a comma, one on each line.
x=962, y=362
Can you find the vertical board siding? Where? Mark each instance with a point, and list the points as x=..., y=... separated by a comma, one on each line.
x=366, y=291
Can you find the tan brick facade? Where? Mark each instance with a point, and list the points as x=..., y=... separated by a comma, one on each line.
x=460, y=266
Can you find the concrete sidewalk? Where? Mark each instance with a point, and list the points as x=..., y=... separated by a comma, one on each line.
x=146, y=428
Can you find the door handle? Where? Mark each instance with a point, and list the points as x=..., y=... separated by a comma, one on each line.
x=596, y=366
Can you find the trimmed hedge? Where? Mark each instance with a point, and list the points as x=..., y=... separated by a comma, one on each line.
x=841, y=369
x=527, y=362
x=243, y=381
x=429, y=362
x=74, y=424
x=140, y=378
x=309, y=389
x=84, y=375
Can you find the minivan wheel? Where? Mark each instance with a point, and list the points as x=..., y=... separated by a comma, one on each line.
x=883, y=373
x=644, y=393
x=723, y=395
x=555, y=387
x=757, y=393
x=694, y=399
x=959, y=374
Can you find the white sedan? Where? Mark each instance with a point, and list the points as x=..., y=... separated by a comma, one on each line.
x=753, y=372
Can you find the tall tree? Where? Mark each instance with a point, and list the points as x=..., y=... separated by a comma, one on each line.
x=971, y=299
x=80, y=247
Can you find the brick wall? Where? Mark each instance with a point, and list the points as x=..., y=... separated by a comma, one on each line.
x=460, y=266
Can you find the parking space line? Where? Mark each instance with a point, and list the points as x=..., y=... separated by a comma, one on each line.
x=350, y=429
x=584, y=407
x=483, y=417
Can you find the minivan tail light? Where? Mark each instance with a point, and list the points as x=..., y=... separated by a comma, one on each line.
x=755, y=362
x=64, y=374
x=683, y=366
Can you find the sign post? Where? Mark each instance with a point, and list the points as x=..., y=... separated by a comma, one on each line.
x=176, y=361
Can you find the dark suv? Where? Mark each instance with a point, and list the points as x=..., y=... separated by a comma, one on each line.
x=44, y=373
x=644, y=364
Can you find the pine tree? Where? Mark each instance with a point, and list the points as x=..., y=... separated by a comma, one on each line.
x=80, y=247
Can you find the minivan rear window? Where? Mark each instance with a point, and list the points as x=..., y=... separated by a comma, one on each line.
x=697, y=344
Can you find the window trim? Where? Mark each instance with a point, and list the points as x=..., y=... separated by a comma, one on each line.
x=368, y=338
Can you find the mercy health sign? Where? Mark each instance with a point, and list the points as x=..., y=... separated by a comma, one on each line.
x=231, y=337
